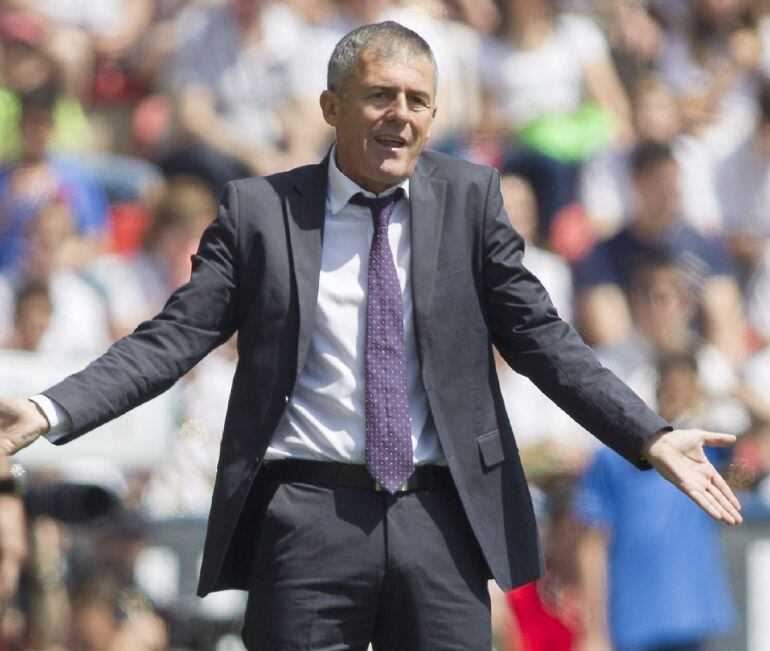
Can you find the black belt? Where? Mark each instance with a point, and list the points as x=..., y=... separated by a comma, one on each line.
x=347, y=475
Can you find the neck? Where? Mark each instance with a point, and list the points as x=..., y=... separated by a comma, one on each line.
x=650, y=230
x=377, y=187
x=529, y=24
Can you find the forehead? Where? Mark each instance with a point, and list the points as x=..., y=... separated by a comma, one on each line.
x=403, y=68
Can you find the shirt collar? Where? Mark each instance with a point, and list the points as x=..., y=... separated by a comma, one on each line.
x=341, y=188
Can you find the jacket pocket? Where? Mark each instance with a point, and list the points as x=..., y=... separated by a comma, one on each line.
x=493, y=448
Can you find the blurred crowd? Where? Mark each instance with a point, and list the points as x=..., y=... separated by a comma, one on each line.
x=633, y=139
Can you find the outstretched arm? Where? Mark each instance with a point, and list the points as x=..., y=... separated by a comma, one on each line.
x=535, y=342
x=198, y=317
x=678, y=456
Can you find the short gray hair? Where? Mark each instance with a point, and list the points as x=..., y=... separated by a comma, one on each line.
x=386, y=40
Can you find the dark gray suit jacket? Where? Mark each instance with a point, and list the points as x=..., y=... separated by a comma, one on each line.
x=256, y=272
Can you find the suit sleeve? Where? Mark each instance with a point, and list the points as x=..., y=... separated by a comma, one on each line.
x=535, y=342
x=198, y=317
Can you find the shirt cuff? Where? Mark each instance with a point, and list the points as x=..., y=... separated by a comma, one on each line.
x=59, y=421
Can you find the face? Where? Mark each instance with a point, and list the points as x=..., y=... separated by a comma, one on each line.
x=661, y=306
x=382, y=118
x=657, y=191
x=657, y=115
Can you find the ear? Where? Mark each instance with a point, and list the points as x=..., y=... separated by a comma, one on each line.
x=330, y=107
x=430, y=124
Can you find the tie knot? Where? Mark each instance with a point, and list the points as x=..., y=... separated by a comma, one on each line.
x=381, y=207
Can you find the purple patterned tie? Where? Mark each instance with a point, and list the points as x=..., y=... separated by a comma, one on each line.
x=388, y=426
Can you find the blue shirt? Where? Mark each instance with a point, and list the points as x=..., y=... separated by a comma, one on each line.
x=667, y=581
x=83, y=196
x=613, y=260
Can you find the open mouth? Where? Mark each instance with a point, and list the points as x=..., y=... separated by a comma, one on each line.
x=392, y=142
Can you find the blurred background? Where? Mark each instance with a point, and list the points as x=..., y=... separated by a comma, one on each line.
x=633, y=139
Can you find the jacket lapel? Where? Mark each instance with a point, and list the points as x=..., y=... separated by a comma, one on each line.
x=427, y=196
x=305, y=212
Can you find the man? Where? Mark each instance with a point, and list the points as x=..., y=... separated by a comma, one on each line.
x=679, y=598
x=657, y=228
x=338, y=373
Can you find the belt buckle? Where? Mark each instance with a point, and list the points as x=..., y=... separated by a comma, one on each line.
x=379, y=488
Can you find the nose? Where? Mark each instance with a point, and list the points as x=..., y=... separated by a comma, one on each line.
x=399, y=108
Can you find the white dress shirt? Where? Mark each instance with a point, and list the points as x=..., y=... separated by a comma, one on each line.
x=324, y=418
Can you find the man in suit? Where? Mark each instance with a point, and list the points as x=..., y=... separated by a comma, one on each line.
x=369, y=483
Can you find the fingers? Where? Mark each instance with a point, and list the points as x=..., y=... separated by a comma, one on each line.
x=724, y=505
x=714, y=496
x=10, y=444
x=724, y=494
x=707, y=502
x=718, y=439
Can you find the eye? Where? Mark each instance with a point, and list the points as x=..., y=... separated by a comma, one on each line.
x=379, y=95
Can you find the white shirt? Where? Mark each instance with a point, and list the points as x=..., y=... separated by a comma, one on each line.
x=743, y=183
x=79, y=322
x=527, y=84
x=324, y=418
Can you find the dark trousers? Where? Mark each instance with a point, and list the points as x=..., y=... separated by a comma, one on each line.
x=339, y=568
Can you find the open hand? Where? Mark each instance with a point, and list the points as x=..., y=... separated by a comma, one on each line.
x=678, y=456
x=21, y=423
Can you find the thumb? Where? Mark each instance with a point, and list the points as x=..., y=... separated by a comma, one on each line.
x=719, y=439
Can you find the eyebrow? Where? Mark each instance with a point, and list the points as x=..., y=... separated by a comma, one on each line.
x=418, y=93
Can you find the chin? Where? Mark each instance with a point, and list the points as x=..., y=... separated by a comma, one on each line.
x=395, y=171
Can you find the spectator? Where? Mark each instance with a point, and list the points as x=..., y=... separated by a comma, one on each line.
x=136, y=288
x=710, y=61
x=27, y=66
x=651, y=564
x=78, y=321
x=743, y=183
x=657, y=228
x=234, y=93
x=663, y=304
x=545, y=63
x=36, y=181
x=548, y=82
x=81, y=34
x=109, y=611
x=32, y=317
x=606, y=189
